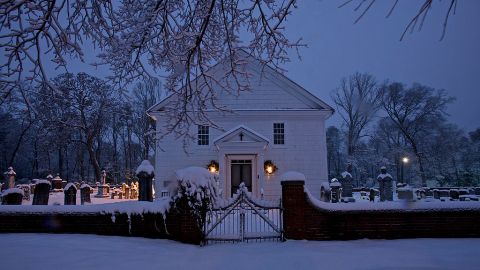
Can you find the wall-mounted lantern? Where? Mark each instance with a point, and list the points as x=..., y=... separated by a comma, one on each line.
x=213, y=166
x=269, y=167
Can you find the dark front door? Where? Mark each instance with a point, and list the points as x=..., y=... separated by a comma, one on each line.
x=241, y=172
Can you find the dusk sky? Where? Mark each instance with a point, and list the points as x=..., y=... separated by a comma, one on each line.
x=337, y=47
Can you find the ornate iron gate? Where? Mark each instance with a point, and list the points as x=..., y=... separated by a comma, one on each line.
x=244, y=219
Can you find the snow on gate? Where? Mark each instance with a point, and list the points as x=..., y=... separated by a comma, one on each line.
x=244, y=219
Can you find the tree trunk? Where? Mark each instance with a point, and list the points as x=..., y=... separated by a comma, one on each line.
x=93, y=159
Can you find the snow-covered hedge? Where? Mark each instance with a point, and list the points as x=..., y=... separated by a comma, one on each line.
x=196, y=190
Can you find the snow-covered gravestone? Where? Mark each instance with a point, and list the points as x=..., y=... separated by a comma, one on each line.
x=145, y=173
x=103, y=188
x=12, y=196
x=347, y=184
x=41, y=193
x=57, y=183
x=385, y=182
x=70, y=192
x=10, y=177
x=335, y=190
x=85, y=191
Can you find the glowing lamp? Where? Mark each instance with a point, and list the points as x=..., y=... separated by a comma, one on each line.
x=269, y=167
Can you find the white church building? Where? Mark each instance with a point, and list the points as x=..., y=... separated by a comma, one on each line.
x=275, y=127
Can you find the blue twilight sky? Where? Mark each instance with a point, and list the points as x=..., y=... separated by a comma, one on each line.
x=337, y=47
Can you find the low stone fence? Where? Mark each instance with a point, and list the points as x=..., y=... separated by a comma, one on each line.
x=305, y=219
x=174, y=225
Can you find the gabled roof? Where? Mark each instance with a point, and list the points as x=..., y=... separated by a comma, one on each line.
x=266, y=72
x=247, y=132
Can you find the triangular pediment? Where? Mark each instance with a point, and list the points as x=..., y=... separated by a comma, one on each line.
x=241, y=134
x=269, y=89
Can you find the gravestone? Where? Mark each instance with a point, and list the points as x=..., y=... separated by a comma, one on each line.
x=50, y=178
x=12, y=196
x=10, y=177
x=385, y=182
x=371, y=195
x=145, y=173
x=85, y=191
x=454, y=194
x=347, y=184
x=42, y=191
x=335, y=191
x=26, y=191
x=126, y=192
x=70, y=192
x=103, y=188
x=57, y=183
x=405, y=193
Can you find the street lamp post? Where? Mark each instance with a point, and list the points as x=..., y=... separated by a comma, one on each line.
x=404, y=161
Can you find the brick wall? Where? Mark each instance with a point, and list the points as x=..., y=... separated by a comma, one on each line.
x=177, y=226
x=303, y=220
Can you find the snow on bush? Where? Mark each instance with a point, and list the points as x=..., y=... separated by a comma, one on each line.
x=196, y=191
x=292, y=175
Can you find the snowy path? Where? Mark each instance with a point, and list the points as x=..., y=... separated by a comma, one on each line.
x=48, y=251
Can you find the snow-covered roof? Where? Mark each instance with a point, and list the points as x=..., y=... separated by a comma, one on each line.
x=245, y=129
x=265, y=71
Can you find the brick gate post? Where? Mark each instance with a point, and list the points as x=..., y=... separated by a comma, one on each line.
x=293, y=199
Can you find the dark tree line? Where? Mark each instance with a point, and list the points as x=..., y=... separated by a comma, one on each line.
x=76, y=128
x=384, y=123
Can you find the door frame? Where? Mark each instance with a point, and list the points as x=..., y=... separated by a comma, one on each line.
x=228, y=179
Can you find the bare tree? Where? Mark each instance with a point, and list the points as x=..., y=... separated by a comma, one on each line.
x=415, y=22
x=143, y=39
x=357, y=100
x=415, y=111
x=80, y=103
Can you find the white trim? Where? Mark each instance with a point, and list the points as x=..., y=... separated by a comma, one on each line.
x=228, y=167
x=234, y=130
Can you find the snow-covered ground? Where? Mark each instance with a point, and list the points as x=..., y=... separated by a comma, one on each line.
x=47, y=251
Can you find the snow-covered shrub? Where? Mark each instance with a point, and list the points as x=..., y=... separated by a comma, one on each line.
x=196, y=192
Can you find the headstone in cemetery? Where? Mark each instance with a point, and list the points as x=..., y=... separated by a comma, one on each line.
x=42, y=191
x=70, y=192
x=50, y=178
x=454, y=194
x=126, y=191
x=405, y=193
x=57, y=183
x=85, y=191
x=347, y=184
x=371, y=195
x=145, y=173
x=26, y=191
x=10, y=177
x=12, y=196
x=103, y=188
x=385, y=182
x=336, y=190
